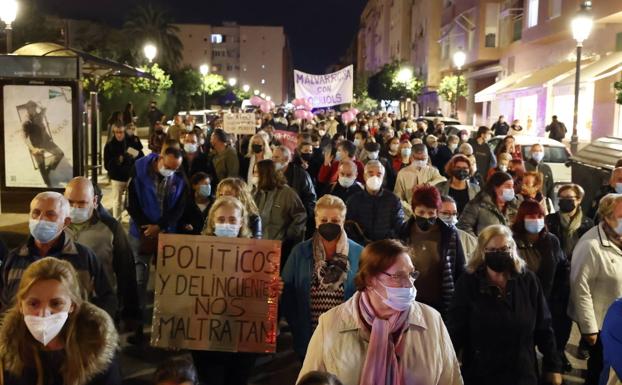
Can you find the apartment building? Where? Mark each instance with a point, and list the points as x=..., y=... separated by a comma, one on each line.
x=257, y=56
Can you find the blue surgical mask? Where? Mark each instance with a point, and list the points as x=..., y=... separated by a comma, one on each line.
x=80, y=214
x=205, y=190
x=43, y=231
x=338, y=156
x=226, y=230
x=399, y=298
x=618, y=228
x=619, y=188
x=190, y=147
x=508, y=194
x=534, y=226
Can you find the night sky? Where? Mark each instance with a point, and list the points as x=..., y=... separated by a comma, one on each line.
x=319, y=31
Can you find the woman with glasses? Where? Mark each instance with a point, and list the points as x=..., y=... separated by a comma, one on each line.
x=499, y=315
x=381, y=336
x=459, y=169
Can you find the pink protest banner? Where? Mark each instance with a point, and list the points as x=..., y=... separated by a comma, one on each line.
x=287, y=138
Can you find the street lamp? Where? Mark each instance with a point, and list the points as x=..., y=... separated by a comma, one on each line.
x=233, y=82
x=404, y=75
x=204, y=69
x=246, y=87
x=150, y=51
x=268, y=98
x=256, y=92
x=459, y=59
x=8, y=13
x=581, y=28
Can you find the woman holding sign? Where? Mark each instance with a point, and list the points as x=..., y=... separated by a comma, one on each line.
x=319, y=273
x=381, y=336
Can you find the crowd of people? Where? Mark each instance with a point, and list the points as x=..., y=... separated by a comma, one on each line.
x=411, y=254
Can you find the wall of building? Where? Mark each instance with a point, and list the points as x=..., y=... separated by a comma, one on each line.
x=196, y=39
x=261, y=60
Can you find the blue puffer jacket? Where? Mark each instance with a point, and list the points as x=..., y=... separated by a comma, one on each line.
x=295, y=301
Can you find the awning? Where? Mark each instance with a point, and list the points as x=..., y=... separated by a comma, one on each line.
x=545, y=76
x=488, y=94
x=604, y=67
x=91, y=65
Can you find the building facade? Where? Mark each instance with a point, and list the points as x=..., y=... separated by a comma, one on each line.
x=257, y=56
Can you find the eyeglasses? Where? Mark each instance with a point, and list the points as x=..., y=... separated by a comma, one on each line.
x=494, y=249
x=401, y=276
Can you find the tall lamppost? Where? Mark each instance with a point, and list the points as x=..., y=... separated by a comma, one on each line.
x=581, y=28
x=404, y=76
x=150, y=51
x=8, y=13
x=233, y=82
x=204, y=69
x=459, y=59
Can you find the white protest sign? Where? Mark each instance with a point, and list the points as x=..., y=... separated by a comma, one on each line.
x=240, y=123
x=325, y=90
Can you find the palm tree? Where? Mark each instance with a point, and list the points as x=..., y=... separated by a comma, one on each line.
x=147, y=23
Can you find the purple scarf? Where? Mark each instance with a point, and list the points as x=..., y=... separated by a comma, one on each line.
x=381, y=365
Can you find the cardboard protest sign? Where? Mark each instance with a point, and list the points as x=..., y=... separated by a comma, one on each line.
x=287, y=139
x=325, y=90
x=239, y=123
x=213, y=293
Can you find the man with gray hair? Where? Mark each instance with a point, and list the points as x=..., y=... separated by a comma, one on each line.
x=376, y=212
x=49, y=217
x=417, y=173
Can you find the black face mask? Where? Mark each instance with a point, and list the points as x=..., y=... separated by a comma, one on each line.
x=499, y=261
x=306, y=157
x=257, y=148
x=566, y=205
x=425, y=223
x=329, y=231
x=461, y=174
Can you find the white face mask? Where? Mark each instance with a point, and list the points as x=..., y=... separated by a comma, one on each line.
x=450, y=220
x=226, y=230
x=537, y=156
x=190, y=147
x=374, y=183
x=373, y=155
x=399, y=298
x=452, y=147
x=80, y=214
x=279, y=165
x=420, y=163
x=44, y=329
x=165, y=172
x=346, y=182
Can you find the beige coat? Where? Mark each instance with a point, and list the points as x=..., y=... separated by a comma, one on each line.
x=427, y=352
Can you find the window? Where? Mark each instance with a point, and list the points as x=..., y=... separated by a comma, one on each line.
x=555, y=8
x=532, y=18
x=619, y=41
x=263, y=81
x=492, y=25
x=217, y=38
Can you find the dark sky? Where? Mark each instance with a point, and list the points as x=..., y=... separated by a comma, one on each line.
x=319, y=30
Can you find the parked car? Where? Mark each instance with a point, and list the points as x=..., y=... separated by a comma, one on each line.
x=452, y=126
x=201, y=117
x=556, y=154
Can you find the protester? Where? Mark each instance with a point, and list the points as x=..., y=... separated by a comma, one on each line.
x=49, y=217
x=108, y=240
x=611, y=336
x=508, y=146
x=154, y=115
x=597, y=279
x=198, y=204
x=516, y=128
x=503, y=160
x=319, y=378
x=118, y=162
x=448, y=213
x=237, y=188
x=157, y=139
x=381, y=335
x=496, y=301
x=346, y=184
x=310, y=159
x=439, y=154
x=227, y=218
x=376, y=211
x=258, y=149
x=51, y=335
x=459, y=187
x=544, y=256
x=373, y=153
x=283, y=215
x=404, y=158
x=319, y=273
x=535, y=163
x=614, y=186
x=224, y=157
x=437, y=251
x=495, y=204
x=133, y=141
x=392, y=152
x=531, y=188
x=484, y=157
x=194, y=160
x=500, y=127
x=329, y=171
x=299, y=180
x=176, y=372
x=419, y=172
x=557, y=130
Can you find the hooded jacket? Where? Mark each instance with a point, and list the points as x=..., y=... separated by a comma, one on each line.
x=98, y=348
x=482, y=212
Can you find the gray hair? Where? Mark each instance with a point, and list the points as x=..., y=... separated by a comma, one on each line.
x=608, y=204
x=286, y=151
x=63, y=203
x=420, y=148
x=453, y=138
x=477, y=258
x=374, y=163
x=466, y=149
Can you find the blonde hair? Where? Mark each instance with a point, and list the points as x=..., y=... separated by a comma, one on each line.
x=265, y=139
x=477, y=259
x=232, y=203
x=504, y=156
x=331, y=202
x=537, y=177
x=62, y=271
x=241, y=191
x=608, y=204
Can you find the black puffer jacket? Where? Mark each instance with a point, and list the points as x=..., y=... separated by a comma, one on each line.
x=300, y=181
x=379, y=216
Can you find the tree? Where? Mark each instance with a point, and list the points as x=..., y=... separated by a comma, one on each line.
x=186, y=85
x=161, y=83
x=448, y=87
x=618, y=87
x=213, y=83
x=148, y=23
x=362, y=101
x=386, y=84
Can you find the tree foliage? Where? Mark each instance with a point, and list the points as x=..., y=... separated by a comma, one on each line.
x=213, y=83
x=160, y=85
x=384, y=85
x=448, y=85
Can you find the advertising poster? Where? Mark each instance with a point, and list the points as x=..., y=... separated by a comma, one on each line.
x=38, y=136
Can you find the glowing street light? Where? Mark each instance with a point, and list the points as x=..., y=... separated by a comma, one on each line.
x=204, y=69
x=246, y=87
x=8, y=14
x=268, y=98
x=459, y=59
x=263, y=96
x=404, y=75
x=581, y=27
x=150, y=51
x=256, y=92
x=233, y=82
